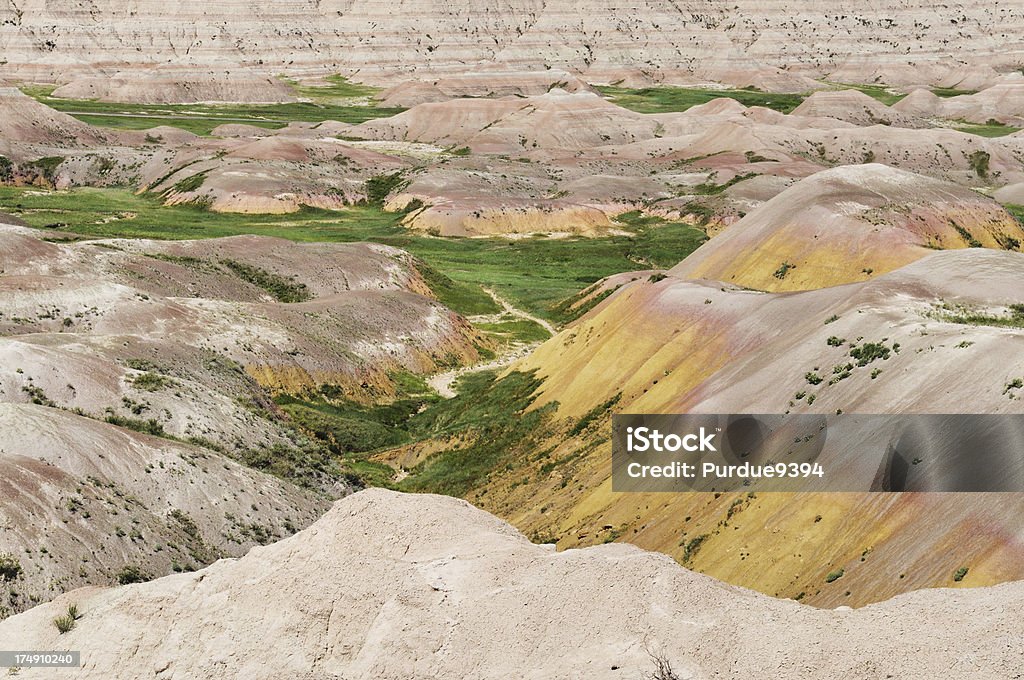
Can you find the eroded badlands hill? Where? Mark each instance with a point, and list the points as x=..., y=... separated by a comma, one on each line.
x=109, y=349
x=665, y=345
x=849, y=224
x=396, y=586
x=85, y=502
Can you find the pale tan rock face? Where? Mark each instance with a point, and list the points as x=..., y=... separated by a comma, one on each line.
x=743, y=42
x=389, y=585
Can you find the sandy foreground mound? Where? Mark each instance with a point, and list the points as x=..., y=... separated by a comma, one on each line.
x=388, y=585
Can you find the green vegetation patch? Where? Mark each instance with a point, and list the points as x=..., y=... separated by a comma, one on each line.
x=669, y=99
x=1014, y=318
x=329, y=103
x=878, y=92
x=992, y=128
x=535, y=274
x=490, y=420
x=348, y=432
x=189, y=184
x=979, y=163
x=151, y=382
x=378, y=188
x=281, y=288
x=132, y=574
x=336, y=87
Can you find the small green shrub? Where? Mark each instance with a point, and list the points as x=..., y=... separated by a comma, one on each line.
x=868, y=352
x=692, y=547
x=960, y=573
x=6, y=169
x=132, y=574
x=835, y=575
x=10, y=567
x=66, y=622
x=151, y=426
x=45, y=167
x=979, y=163
x=151, y=382
x=783, y=269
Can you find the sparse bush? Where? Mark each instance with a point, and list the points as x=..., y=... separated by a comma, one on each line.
x=662, y=667
x=979, y=163
x=960, y=573
x=692, y=547
x=10, y=567
x=783, y=269
x=282, y=289
x=190, y=184
x=868, y=352
x=813, y=378
x=967, y=236
x=835, y=575
x=378, y=188
x=6, y=169
x=151, y=382
x=132, y=574
x=66, y=622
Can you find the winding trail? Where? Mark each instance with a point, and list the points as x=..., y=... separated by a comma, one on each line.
x=444, y=383
x=522, y=314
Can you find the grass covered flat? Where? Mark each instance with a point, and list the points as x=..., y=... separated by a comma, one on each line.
x=339, y=100
x=535, y=274
x=667, y=99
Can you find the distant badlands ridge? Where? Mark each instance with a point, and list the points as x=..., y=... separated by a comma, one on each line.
x=390, y=585
x=771, y=45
